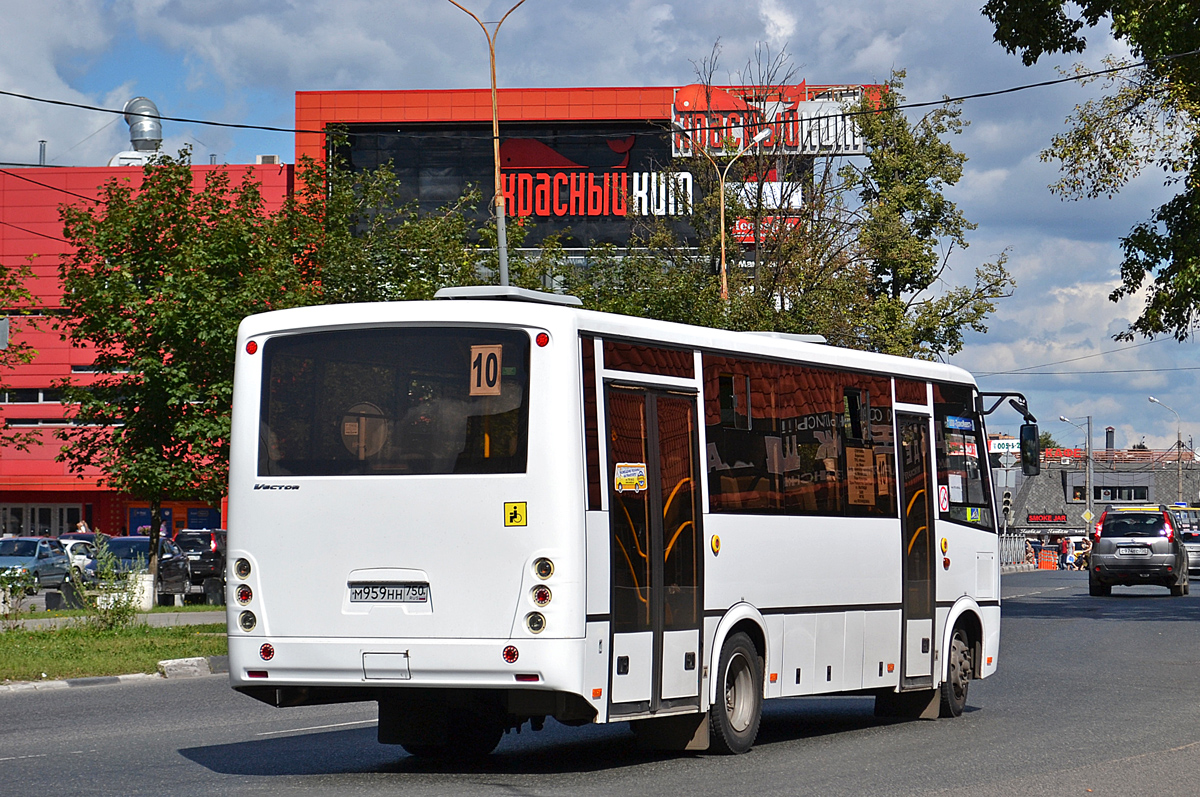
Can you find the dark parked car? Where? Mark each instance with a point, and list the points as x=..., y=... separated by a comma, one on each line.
x=133, y=553
x=44, y=559
x=1138, y=545
x=205, y=550
x=86, y=536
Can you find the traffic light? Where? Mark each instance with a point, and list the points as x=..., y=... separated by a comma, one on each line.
x=1007, y=506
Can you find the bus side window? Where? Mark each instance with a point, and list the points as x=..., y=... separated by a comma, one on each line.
x=855, y=415
x=734, y=392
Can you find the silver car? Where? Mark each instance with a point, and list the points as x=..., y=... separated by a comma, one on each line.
x=44, y=560
x=1138, y=545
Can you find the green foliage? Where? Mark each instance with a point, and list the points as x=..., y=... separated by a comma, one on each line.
x=111, y=603
x=15, y=586
x=160, y=278
x=1046, y=440
x=1147, y=116
x=369, y=246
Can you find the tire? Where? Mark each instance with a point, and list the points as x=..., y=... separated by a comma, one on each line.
x=1098, y=590
x=735, y=717
x=960, y=670
x=469, y=734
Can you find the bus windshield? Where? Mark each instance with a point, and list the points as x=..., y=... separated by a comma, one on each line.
x=395, y=401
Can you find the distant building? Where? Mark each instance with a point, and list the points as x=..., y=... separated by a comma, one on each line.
x=1054, y=501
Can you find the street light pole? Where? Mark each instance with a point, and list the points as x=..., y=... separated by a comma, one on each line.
x=498, y=203
x=721, y=175
x=1178, y=450
x=1087, y=460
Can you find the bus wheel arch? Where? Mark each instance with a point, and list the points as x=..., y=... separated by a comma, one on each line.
x=964, y=615
x=961, y=662
x=742, y=618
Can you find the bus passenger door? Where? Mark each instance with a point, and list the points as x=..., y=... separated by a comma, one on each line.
x=656, y=603
x=916, y=507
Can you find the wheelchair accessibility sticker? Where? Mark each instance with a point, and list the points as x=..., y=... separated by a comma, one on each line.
x=515, y=514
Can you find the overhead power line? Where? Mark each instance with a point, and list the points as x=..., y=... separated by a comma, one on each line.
x=1071, y=360
x=924, y=104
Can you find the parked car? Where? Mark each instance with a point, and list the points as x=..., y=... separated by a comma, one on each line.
x=205, y=550
x=87, y=536
x=44, y=559
x=1138, y=545
x=80, y=553
x=133, y=553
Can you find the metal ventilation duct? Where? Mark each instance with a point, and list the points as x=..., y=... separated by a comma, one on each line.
x=145, y=130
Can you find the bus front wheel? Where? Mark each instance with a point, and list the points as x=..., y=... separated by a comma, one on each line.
x=958, y=676
x=735, y=717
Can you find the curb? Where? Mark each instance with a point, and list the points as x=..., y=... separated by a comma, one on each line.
x=170, y=669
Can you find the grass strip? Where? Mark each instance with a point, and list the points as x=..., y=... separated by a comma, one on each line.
x=53, y=654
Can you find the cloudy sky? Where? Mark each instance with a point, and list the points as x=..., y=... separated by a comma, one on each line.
x=242, y=62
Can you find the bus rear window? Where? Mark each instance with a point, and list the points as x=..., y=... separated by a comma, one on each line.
x=395, y=401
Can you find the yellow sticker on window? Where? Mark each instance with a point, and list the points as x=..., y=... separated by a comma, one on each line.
x=629, y=476
x=515, y=514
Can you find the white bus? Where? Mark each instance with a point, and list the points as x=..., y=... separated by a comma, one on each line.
x=495, y=508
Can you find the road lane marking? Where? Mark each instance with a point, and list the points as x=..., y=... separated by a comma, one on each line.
x=311, y=728
x=1038, y=592
x=23, y=757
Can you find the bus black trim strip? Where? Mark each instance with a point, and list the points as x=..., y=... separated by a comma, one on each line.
x=861, y=607
x=598, y=618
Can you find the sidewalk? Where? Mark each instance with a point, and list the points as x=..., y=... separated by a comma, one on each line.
x=155, y=619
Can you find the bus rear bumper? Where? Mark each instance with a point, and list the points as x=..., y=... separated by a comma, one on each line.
x=551, y=664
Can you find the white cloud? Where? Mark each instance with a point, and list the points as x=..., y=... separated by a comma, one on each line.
x=779, y=23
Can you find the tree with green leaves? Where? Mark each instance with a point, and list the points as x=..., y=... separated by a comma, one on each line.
x=908, y=230
x=1147, y=116
x=160, y=277
x=866, y=263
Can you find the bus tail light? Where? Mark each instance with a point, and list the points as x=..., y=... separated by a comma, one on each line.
x=541, y=595
x=267, y=651
x=247, y=621
x=241, y=568
x=543, y=568
x=256, y=673
x=511, y=654
x=535, y=622
x=527, y=676
x=244, y=594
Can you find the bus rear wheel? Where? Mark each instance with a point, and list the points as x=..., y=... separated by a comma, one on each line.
x=958, y=676
x=441, y=724
x=735, y=717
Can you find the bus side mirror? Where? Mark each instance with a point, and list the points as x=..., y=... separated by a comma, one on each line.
x=1031, y=450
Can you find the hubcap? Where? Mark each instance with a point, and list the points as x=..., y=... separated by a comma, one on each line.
x=739, y=683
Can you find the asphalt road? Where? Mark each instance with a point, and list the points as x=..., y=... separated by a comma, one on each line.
x=1094, y=695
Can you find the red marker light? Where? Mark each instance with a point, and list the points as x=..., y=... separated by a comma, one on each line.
x=267, y=652
x=251, y=347
x=542, y=339
x=510, y=654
